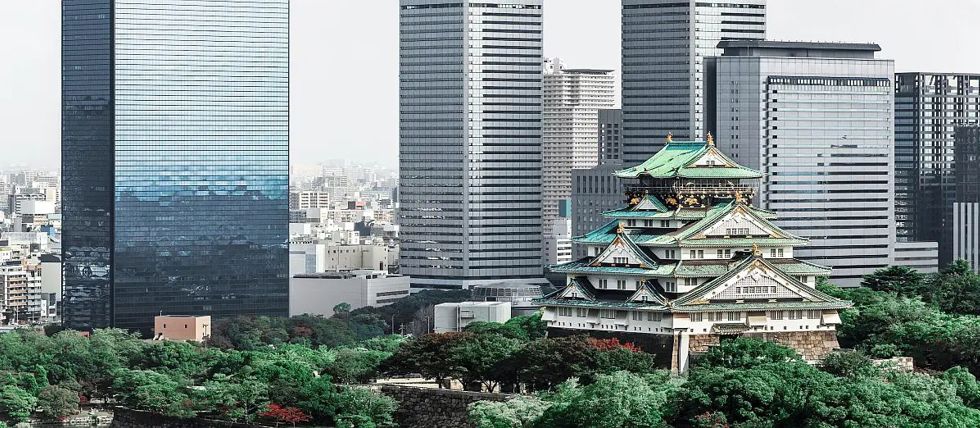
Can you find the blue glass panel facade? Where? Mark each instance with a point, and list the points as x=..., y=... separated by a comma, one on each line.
x=87, y=162
x=200, y=158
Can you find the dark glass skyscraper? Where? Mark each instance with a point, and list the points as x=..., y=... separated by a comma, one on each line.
x=175, y=158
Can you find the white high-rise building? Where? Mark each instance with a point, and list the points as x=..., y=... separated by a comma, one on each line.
x=570, y=128
x=818, y=120
x=470, y=142
x=665, y=43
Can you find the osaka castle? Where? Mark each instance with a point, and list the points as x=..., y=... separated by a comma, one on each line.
x=689, y=262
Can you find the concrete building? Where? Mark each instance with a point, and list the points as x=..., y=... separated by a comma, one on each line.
x=470, y=141
x=665, y=43
x=317, y=294
x=451, y=317
x=51, y=284
x=818, y=120
x=308, y=199
x=570, y=128
x=610, y=135
x=520, y=296
x=182, y=327
x=557, y=242
x=594, y=191
x=966, y=233
x=928, y=108
x=21, y=282
x=964, y=225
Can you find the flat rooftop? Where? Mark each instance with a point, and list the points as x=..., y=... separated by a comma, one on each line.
x=771, y=48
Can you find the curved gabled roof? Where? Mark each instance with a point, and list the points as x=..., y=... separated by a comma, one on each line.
x=679, y=160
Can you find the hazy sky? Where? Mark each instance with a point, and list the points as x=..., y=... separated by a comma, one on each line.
x=344, y=78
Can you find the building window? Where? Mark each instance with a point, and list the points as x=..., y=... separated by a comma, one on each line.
x=734, y=316
x=607, y=313
x=670, y=287
x=697, y=317
x=776, y=315
x=813, y=315
x=690, y=282
x=620, y=284
x=654, y=316
x=581, y=312
x=603, y=283
x=742, y=231
x=795, y=315
x=564, y=312
x=664, y=223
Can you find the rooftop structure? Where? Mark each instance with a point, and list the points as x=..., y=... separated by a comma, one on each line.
x=689, y=260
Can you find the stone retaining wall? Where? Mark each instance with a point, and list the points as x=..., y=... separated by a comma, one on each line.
x=432, y=408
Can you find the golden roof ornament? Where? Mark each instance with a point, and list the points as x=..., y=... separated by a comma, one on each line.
x=670, y=137
x=756, y=251
x=620, y=229
x=711, y=140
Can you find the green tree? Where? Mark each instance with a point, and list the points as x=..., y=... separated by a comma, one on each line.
x=353, y=365
x=615, y=400
x=16, y=404
x=746, y=353
x=232, y=398
x=427, y=356
x=849, y=364
x=361, y=407
x=319, y=399
x=532, y=325
x=152, y=391
x=902, y=280
x=476, y=358
x=518, y=412
x=56, y=403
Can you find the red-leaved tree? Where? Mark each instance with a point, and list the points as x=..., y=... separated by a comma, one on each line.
x=281, y=414
x=611, y=344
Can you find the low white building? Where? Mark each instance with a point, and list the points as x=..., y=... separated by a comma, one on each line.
x=318, y=293
x=456, y=316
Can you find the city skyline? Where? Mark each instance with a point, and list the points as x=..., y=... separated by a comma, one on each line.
x=30, y=109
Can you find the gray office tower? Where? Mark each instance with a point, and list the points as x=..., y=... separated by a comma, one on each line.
x=175, y=152
x=928, y=108
x=964, y=226
x=470, y=142
x=818, y=120
x=596, y=190
x=665, y=43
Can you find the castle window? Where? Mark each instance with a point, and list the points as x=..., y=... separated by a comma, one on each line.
x=581, y=312
x=654, y=316
x=776, y=315
x=564, y=312
x=620, y=284
x=670, y=287
x=664, y=223
x=698, y=317
x=607, y=313
x=603, y=283
x=637, y=316
x=734, y=316
x=795, y=315
x=813, y=315
x=690, y=282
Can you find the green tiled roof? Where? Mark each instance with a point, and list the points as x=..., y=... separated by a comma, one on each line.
x=747, y=242
x=644, y=259
x=710, y=270
x=598, y=303
x=676, y=160
x=582, y=267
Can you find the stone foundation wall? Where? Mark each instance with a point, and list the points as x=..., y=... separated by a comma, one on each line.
x=435, y=408
x=812, y=345
x=699, y=343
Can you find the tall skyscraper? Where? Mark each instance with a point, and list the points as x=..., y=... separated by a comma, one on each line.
x=963, y=226
x=570, y=133
x=665, y=43
x=470, y=142
x=610, y=135
x=818, y=120
x=175, y=145
x=928, y=107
